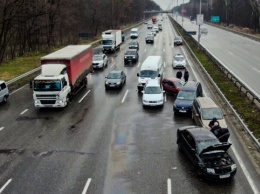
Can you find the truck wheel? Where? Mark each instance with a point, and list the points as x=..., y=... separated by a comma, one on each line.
x=68, y=100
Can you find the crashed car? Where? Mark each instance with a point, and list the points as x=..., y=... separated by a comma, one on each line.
x=206, y=152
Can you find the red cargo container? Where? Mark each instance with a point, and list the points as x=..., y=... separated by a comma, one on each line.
x=77, y=58
x=154, y=19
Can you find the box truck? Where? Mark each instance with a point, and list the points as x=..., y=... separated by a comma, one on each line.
x=111, y=40
x=63, y=74
x=154, y=19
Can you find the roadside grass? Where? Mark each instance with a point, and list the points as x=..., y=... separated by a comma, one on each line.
x=246, y=109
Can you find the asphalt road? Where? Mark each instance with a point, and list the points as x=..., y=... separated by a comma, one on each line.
x=237, y=53
x=105, y=142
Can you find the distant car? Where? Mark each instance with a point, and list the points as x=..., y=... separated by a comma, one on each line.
x=206, y=152
x=178, y=61
x=149, y=34
x=99, y=61
x=153, y=94
x=149, y=39
x=154, y=32
x=134, y=45
x=160, y=27
x=172, y=85
x=177, y=41
x=115, y=79
x=4, y=92
x=204, y=31
x=156, y=29
x=131, y=55
x=149, y=26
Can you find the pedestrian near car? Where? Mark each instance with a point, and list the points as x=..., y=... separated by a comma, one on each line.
x=186, y=75
x=179, y=74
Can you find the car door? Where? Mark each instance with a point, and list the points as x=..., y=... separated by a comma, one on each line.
x=123, y=77
x=1, y=93
x=189, y=146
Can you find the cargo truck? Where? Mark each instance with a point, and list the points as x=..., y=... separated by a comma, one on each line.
x=63, y=74
x=111, y=40
x=154, y=19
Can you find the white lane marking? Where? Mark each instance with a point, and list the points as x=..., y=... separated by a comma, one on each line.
x=24, y=112
x=138, y=64
x=163, y=50
x=247, y=175
x=256, y=70
x=5, y=185
x=169, y=186
x=144, y=50
x=112, y=65
x=165, y=98
x=84, y=96
x=231, y=53
x=86, y=186
x=164, y=64
x=124, y=96
x=18, y=89
x=1, y=128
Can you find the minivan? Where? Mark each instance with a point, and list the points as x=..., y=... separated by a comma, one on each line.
x=186, y=96
x=4, y=92
x=152, y=67
x=134, y=33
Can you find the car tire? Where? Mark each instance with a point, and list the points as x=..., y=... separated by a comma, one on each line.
x=5, y=99
x=180, y=147
x=192, y=116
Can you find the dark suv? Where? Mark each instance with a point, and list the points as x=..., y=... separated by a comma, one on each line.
x=134, y=45
x=131, y=56
x=186, y=96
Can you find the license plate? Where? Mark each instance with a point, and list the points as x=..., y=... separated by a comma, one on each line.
x=224, y=176
x=182, y=111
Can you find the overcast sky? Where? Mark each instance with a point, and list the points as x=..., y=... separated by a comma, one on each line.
x=164, y=4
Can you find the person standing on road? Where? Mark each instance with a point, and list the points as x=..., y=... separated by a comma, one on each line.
x=179, y=74
x=186, y=75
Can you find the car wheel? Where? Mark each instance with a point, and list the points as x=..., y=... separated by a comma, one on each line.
x=180, y=147
x=5, y=99
x=192, y=116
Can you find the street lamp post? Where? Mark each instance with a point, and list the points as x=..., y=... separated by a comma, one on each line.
x=199, y=27
x=182, y=15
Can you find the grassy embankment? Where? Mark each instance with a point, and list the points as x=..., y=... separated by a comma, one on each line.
x=246, y=109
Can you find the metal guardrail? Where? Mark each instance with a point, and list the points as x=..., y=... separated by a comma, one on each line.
x=255, y=140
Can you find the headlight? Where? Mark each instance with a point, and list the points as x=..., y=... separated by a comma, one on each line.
x=125, y=57
x=145, y=101
x=211, y=170
x=233, y=167
x=118, y=83
x=36, y=102
x=106, y=82
x=160, y=100
x=174, y=105
x=60, y=101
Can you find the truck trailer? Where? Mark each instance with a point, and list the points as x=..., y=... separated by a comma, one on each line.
x=154, y=20
x=111, y=40
x=63, y=74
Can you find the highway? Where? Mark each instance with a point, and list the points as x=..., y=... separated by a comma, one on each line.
x=105, y=142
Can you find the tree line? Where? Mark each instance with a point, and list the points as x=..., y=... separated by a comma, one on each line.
x=34, y=25
x=244, y=13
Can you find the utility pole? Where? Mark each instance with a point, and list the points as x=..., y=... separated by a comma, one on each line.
x=182, y=14
x=199, y=27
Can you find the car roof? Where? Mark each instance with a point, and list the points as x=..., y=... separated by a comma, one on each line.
x=206, y=102
x=179, y=55
x=190, y=86
x=132, y=50
x=152, y=82
x=200, y=133
x=116, y=71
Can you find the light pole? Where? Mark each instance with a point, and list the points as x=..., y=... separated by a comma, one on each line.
x=182, y=14
x=199, y=27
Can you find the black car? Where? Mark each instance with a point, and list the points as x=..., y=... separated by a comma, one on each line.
x=206, y=152
x=177, y=41
x=115, y=79
x=149, y=39
x=134, y=45
x=131, y=56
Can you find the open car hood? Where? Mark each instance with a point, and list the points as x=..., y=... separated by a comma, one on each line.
x=217, y=147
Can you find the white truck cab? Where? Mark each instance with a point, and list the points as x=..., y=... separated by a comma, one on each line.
x=134, y=33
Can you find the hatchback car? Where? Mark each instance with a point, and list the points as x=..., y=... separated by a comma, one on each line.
x=153, y=94
x=179, y=61
x=134, y=45
x=186, y=96
x=99, y=61
x=206, y=152
x=172, y=85
x=4, y=92
x=115, y=79
x=131, y=56
x=177, y=41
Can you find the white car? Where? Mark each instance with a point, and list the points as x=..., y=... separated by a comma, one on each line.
x=149, y=34
x=154, y=32
x=179, y=61
x=153, y=95
x=99, y=61
x=156, y=29
x=4, y=92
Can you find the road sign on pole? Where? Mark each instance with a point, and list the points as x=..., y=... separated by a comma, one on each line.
x=215, y=19
x=200, y=18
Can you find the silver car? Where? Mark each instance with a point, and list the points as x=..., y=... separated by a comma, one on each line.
x=4, y=92
x=115, y=79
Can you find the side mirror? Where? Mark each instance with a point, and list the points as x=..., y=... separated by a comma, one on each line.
x=137, y=74
x=197, y=115
x=142, y=91
x=159, y=75
x=65, y=83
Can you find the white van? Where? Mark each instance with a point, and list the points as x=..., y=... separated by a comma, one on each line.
x=4, y=92
x=152, y=67
x=134, y=33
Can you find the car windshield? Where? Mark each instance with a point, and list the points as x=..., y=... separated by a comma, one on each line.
x=114, y=76
x=133, y=32
x=186, y=95
x=177, y=38
x=179, y=58
x=133, y=43
x=209, y=113
x=130, y=53
x=47, y=85
x=97, y=57
x=107, y=42
x=152, y=90
x=148, y=73
x=149, y=36
x=179, y=84
x=203, y=144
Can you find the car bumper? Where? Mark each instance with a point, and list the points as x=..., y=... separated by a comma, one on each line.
x=218, y=177
x=113, y=85
x=182, y=111
x=178, y=66
x=153, y=103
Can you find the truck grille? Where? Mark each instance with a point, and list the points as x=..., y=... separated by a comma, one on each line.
x=48, y=101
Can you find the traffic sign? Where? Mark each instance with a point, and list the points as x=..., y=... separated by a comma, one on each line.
x=190, y=32
x=215, y=19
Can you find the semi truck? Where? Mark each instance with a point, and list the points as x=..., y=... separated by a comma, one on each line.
x=111, y=40
x=154, y=19
x=63, y=74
